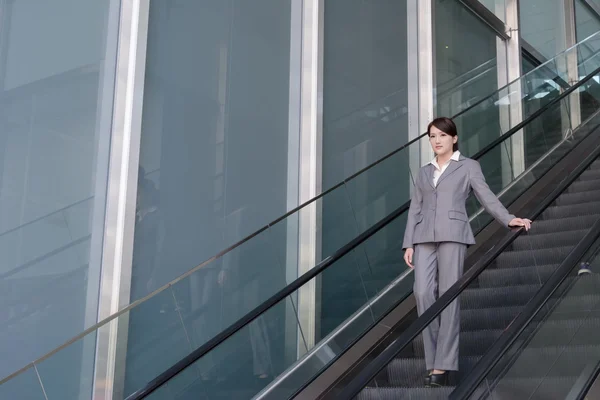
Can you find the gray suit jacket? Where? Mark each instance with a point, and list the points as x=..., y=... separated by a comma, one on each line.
x=438, y=214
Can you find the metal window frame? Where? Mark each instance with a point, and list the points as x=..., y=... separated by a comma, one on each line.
x=420, y=42
x=117, y=251
x=310, y=166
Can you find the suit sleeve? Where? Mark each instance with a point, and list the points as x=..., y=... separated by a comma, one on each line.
x=486, y=197
x=415, y=209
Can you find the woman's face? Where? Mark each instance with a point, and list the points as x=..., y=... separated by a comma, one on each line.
x=441, y=142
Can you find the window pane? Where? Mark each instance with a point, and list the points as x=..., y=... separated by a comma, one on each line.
x=587, y=23
x=214, y=146
x=55, y=113
x=364, y=84
x=541, y=25
x=364, y=118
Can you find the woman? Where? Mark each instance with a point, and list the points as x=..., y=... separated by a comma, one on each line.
x=437, y=235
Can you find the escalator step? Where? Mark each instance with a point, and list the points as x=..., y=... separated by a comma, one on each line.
x=566, y=224
x=577, y=198
x=590, y=175
x=583, y=186
x=527, y=258
x=547, y=240
x=591, y=209
x=516, y=276
x=472, y=343
x=490, y=318
x=405, y=393
x=482, y=298
x=409, y=372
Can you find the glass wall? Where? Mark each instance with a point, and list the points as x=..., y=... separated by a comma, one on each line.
x=364, y=85
x=498, y=7
x=587, y=23
x=213, y=166
x=466, y=72
x=56, y=81
x=364, y=118
x=542, y=25
x=213, y=163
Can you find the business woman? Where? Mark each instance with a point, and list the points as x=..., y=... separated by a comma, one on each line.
x=436, y=239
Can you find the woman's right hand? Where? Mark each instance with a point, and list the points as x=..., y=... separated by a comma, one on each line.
x=408, y=257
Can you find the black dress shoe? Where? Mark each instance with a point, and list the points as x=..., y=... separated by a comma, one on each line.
x=436, y=380
x=428, y=379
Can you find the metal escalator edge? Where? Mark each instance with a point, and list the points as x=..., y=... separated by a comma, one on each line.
x=363, y=378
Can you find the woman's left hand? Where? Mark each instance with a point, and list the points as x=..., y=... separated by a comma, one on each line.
x=521, y=222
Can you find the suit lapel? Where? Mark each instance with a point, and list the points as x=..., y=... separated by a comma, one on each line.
x=430, y=168
x=452, y=167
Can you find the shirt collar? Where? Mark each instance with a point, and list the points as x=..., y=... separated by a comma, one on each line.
x=455, y=157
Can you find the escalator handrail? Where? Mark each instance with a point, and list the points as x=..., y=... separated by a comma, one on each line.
x=320, y=267
x=413, y=330
x=520, y=323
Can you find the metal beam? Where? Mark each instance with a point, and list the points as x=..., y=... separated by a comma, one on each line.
x=117, y=252
x=311, y=128
x=420, y=77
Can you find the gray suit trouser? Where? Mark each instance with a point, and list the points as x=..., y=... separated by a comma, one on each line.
x=437, y=267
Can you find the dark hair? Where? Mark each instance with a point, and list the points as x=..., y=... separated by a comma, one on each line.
x=445, y=125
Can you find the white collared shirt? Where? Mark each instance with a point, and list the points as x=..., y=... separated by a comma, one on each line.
x=438, y=171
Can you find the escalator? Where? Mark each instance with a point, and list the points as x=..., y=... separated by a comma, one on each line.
x=500, y=293
x=174, y=359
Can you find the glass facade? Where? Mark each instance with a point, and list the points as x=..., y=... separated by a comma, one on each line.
x=214, y=146
x=213, y=167
x=365, y=103
x=365, y=96
x=587, y=22
x=57, y=80
x=466, y=72
x=543, y=25
x=223, y=121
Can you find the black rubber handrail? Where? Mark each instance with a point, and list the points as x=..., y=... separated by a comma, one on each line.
x=485, y=365
x=408, y=336
x=320, y=267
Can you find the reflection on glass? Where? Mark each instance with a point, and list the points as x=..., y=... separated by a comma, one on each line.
x=466, y=45
x=25, y=386
x=221, y=100
x=365, y=100
x=541, y=24
x=55, y=113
